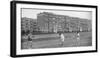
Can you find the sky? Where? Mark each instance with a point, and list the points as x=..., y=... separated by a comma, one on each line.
x=32, y=13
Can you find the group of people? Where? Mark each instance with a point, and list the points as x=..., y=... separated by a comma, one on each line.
x=62, y=37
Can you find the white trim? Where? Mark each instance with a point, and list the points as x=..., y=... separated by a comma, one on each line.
x=68, y=49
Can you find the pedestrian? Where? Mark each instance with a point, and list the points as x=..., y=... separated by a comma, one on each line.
x=78, y=35
x=62, y=38
x=29, y=41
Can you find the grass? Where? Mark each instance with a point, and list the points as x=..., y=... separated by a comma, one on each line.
x=53, y=41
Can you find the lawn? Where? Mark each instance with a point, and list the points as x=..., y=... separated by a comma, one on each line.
x=53, y=40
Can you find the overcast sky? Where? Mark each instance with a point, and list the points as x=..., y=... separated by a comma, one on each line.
x=32, y=13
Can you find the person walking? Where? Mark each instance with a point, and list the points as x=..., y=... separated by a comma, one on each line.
x=78, y=36
x=62, y=38
x=29, y=41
